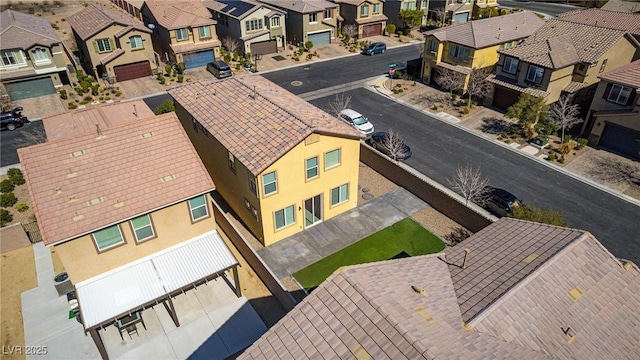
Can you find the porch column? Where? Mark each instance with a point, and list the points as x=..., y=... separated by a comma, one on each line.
x=236, y=279
x=171, y=310
x=99, y=343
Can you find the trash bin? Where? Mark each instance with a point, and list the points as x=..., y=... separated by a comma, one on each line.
x=62, y=283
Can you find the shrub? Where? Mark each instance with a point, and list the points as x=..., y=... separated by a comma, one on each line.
x=247, y=56
x=162, y=79
x=85, y=85
x=300, y=50
x=83, y=102
x=466, y=110
x=167, y=69
x=406, y=31
x=22, y=207
x=566, y=138
x=533, y=213
x=7, y=200
x=180, y=78
x=391, y=29
x=309, y=56
x=88, y=98
x=551, y=156
x=238, y=66
x=566, y=147
x=582, y=142
x=5, y=217
x=181, y=67
x=561, y=160
x=78, y=90
x=63, y=94
x=118, y=94
x=6, y=186
x=15, y=175
x=434, y=107
x=227, y=58
x=166, y=107
x=308, y=45
x=72, y=106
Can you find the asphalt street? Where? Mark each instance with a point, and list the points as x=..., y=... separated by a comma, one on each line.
x=552, y=9
x=439, y=148
x=10, y=140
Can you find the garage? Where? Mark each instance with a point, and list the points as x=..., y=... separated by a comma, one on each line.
x=321, y=38
x=132, y=71
x=621, y=140
x=461, y=18
x=503, y=98
x=30, y=88
x=264, y=47
x=372, y=30
x=198, y=59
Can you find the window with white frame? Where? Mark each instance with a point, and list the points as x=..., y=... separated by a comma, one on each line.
x=12, y=57
x=182, y=34
x=619, y=94
x=269, y=183
x=327, y=13
x=253, y=25
x=275, y=21
x=313, y=18
x=535, y=74
x=39, y=55
x=510, y=65
x=432, y=45
x=339, y=194
x=108, y=237
x=198, y=208
x=364, y=10
x=331, y=159
x=204, y=32
x=459, y=52
x=136, y=42
x=142, y=228
x=376, y=9
x=285, y=217
x=311, y=166
x=104, y=45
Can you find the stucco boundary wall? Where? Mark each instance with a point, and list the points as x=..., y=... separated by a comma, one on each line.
x=437, y=196
x=259, y=267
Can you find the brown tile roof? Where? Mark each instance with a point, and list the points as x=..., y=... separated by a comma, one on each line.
x=180, y=14
x=498, y=260
x=574, y=86
x=23, y=31
x=455, y=67
x=372, y=19
x=95, y=18
x=256, y=131
x=302, y=6
x=492, y=31
x=513, y=85
x=182, y=48
x=626, y=75
x=631, y=6
x=604, y=317
x=112, y=56
x=17, y=74
x=84, y=121
x=558, y=44
x=603, y=18
x=124, y=168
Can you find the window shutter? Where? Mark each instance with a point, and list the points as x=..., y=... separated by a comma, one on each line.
x=632, y=98
x=95, y=46
x=607, y=90
x=111, y=44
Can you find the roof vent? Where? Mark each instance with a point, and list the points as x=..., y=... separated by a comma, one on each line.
x=147, y=135
x=95, y=201
x=168, y=178
x=576, y=293
x=72, y=199
x=529, y=259
x=71, y=174
x=58, y=191
x=419, y=290
x=360, y=353
x=118, y=204
x=77, y=153
x=466, y=257
x=425, y=314
x=78, y=217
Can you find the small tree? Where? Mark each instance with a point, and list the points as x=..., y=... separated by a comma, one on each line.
x=166, y=107
x=394, y=144
x=450, y=80
x=350, y=30
x=6, y=186
x=5, y=217
x=441, y=16
x=478, y=85
x=308, y=45
x=564, y=114
x=470, y=183
x=534, y=213
x=341, y=102
x=528, y=111
x=411, y=18
x=230, y=43
x=391, y=29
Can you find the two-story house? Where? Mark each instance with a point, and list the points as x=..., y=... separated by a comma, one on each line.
x=392, y=10
x=455, y=11
x=183, y=32
x=613, y=121
x=32, y=57
x=483, y=5
x=309, y=20
x=474, y=45
x=561, y=57
x=113, y=45
x=367, y=15
x=287, y=164
x=131, y=6
x=260, y=28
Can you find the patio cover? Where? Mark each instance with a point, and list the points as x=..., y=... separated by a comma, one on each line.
x=150, y=280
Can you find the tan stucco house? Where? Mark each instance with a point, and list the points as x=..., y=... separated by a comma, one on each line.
x=367, y=15
x=392, y=10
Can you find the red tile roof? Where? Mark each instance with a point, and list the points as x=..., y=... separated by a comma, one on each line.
x=626, y=75
x=629, y=22
x=124, y=171
x=180, y=14
x=256, y=130
x=95, y=18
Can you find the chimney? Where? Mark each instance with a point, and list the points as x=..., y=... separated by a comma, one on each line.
x=466, y=257
x=98, y=130
x=135, y=111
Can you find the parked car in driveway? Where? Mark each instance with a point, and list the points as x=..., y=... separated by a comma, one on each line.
x=219, y=69
x=357, y=120
x=13, y=119
x=380, y=141
x=501, y=202
x=375, y=48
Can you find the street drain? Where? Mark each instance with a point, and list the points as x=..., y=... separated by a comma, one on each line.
x=296, y=83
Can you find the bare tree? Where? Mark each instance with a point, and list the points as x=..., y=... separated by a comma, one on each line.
x=478, y=85
x=564, y=114
x=341, y=102
x=450, y=80
x=441, y=15
x=230, y=43
x=394, y=144
x=351, y=30
x=29, y=138
x=457, y=235
x=470, y=183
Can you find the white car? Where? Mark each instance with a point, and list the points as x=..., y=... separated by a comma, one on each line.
x=358, y=121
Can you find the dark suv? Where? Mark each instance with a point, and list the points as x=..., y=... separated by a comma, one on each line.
x=219, y=69
x=13, y=119
x=501, y=202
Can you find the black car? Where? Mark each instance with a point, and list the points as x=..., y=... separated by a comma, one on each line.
x=380, y=141
x=13, y=119
x=501, y=202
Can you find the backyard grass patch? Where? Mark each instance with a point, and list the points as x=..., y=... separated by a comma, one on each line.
x=402, y=239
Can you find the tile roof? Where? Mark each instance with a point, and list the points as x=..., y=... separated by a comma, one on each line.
x=629, y=22
x=17, y=74
x=84, y=121
x=372, y=19
x=492, y=31
x=558, y=44
x=256, y=131
x=124, y=173
x=455, y=67
x=180, y=14
x=302, y=6
x=574, y=86
x=631, y=6
x=627, y=75
x=513, y=85
x=112, y=56
x=182, y=48
x=23, y=31
x=498, y=260
x=95, y=18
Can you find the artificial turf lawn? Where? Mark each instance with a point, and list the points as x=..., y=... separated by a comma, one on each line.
x=405, y=236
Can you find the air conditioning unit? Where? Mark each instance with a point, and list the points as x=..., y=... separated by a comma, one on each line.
x=63, y=284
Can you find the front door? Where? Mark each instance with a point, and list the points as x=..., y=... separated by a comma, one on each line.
x=312, y=211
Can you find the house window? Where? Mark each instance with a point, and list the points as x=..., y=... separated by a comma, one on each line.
x=535, y=74
x=142, y=228
x=39, y=55
x=327, y=13
x=364, y=10
x=313, y=18
x=204, y=32
x=108, y=238
x=312, y=167
x=253, y=25
x=275, y=21
x=269, y=183
x=432, y=46
x=376, y=8
x=423, y=4
x=510, y=65
x=619, y=94
x=104, y=45
x=331, y=159
x=12, y=58
x=409, y=5
x=182, y=34
x=339, y=194
x=459, y=52
x=252, y=185
x=232, y=161
x=198, y=208
x=604, y=65
x=136, y=42
x=501, y=46
x=285, y=217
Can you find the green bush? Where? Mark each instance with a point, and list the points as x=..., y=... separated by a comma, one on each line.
x=235, y=56
x=161, y=79
x=15, y=175
x=5, y=217
x=582, y=142
x=94, y=89
x=406, y=31
x=308, y=45
x=180, y=78
x=166, y=107
x=551, y=156
x=6, y=186
x=566, y=138
x=391, y=29
x=22, y=207
x=167, y=69
x=227, y=58
x=63, y=94
x=72, y=106
x=7, y=200
x=533, y=213
x=247, y=56
x=181, y=67
x=78, y=90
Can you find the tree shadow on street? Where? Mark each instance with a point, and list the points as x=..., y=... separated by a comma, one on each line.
x=495, y=126
x=616, y=170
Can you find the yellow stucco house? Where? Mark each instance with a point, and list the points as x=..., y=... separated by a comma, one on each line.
x=282, y=164
x=473, y=45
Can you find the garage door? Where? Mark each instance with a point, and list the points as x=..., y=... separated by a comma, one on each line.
x=461, y=18
x=132, y=71
x=30, y=88
x=372, y=30
x=621, y=140
x=322, y=38
x=264, y=47
x=198, y=59
x=503, y=98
